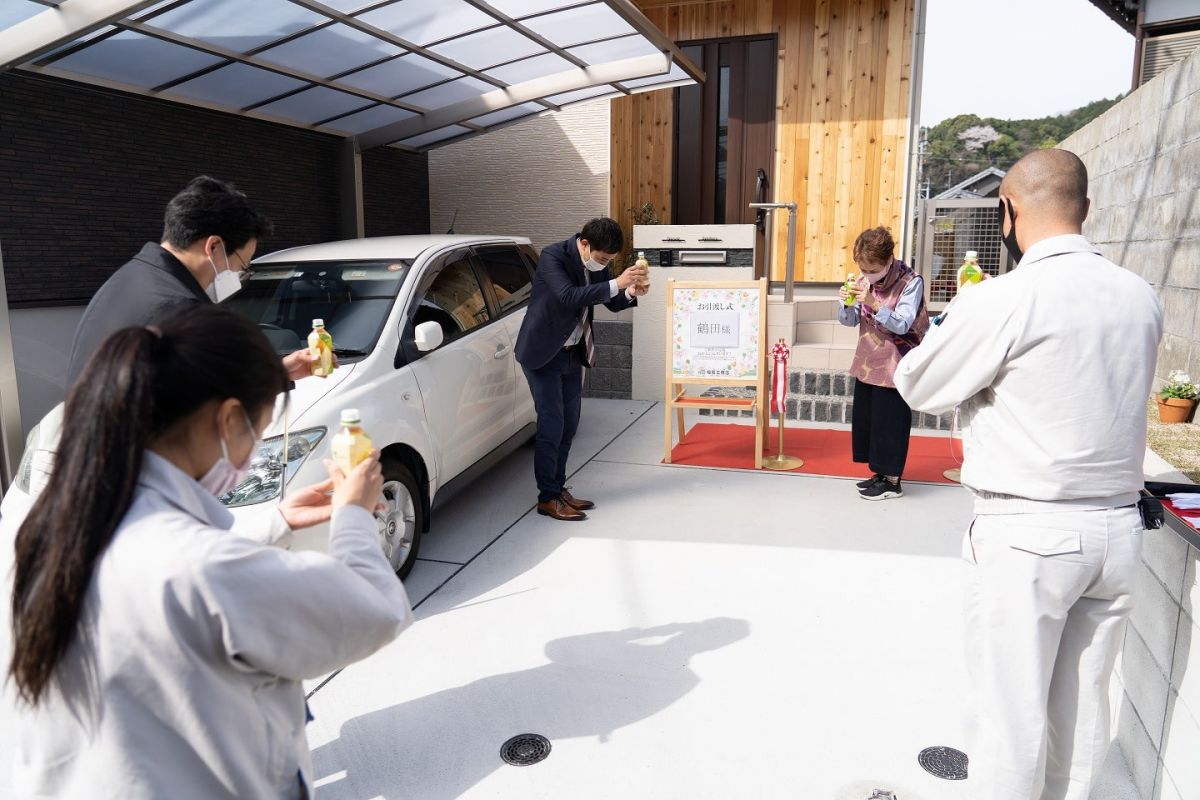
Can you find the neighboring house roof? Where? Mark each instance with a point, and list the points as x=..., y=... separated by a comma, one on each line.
x=981, y=184
x=1120, y=12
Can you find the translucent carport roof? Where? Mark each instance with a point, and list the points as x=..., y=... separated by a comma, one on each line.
x=412, y=73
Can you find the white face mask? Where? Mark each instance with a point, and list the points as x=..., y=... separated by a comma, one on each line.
x=591, y=265
x=226, y=283
x=876, y=277
x=223, y=476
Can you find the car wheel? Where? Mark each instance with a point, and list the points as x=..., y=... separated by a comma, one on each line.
x=400, y=524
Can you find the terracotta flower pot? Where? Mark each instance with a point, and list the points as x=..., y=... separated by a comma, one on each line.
x=1173, y=409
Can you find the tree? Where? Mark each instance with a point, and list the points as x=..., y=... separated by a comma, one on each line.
x=959, y=147
x=978, y=136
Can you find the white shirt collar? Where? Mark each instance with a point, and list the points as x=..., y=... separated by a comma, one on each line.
x=180, y=490
x=1058, y=245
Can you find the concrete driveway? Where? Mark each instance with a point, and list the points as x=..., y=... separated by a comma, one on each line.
x=705, y=634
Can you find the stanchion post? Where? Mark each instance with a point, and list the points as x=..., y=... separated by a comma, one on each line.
x=954, y=473
x=780, y=461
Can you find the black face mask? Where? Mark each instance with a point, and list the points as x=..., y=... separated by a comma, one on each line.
x=1010, y=241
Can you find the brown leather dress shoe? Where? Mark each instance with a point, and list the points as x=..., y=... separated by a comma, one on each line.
x=558, y=509
x=576, y=503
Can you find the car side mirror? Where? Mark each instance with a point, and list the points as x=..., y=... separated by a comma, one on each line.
x=429, y=336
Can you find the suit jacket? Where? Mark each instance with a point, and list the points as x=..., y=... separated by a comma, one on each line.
x=561, y=294
x=150, y=288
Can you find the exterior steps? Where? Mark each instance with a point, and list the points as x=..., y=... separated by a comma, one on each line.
x=821, y=395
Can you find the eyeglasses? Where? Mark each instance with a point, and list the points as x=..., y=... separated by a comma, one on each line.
x=246, y=272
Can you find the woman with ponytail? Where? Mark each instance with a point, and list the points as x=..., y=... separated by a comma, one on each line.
x=154, y=653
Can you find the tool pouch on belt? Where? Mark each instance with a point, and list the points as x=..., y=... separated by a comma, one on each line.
x=1151, y=510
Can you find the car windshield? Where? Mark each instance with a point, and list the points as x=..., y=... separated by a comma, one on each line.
x=352, y=297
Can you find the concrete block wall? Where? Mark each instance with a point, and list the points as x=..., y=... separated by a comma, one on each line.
x=1158, y=719
x=817, y=395
x=613, y=376
x=1143, y=159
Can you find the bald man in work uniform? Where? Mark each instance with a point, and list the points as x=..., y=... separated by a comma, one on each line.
x=1051, y=366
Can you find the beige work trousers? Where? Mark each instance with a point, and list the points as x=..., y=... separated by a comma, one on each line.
x=1048, y=595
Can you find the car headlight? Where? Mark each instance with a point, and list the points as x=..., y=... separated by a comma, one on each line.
x=272, y=469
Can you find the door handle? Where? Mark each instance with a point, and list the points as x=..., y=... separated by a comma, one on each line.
x=501, y=352
x=760, y=196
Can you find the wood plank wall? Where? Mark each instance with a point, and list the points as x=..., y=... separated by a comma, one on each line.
x=841, y=119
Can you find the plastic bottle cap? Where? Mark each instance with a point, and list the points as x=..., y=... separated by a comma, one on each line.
x=972, y=254
x=351, y=416
x=641, y=254
x=318, y=323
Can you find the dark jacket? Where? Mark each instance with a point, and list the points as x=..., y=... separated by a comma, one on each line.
x=152, y=286
x=562, y=291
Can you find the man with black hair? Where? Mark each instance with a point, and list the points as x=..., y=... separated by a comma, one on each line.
x=210, y=232
x=555, y=344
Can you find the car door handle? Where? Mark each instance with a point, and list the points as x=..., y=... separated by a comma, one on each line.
x=501, y=351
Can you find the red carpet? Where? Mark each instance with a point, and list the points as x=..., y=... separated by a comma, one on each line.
x=825, y=452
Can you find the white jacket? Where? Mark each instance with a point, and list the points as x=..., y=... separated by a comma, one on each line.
x=1053, y=365
x=184, y=681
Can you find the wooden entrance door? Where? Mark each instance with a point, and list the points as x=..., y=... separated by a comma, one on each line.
x=725, y=135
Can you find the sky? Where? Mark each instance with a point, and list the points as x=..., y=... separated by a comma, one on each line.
x=1020, y=59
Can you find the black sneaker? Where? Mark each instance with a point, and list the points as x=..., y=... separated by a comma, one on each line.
x=883, y=489
x=871, y=481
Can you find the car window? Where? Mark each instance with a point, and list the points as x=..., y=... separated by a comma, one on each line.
x=510, y=277
x=454, y=300
x=531, y=256
x=354, y=299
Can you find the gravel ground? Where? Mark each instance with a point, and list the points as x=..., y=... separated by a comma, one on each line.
x=1178, y=444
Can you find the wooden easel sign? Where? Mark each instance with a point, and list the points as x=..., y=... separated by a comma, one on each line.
x=716, y=336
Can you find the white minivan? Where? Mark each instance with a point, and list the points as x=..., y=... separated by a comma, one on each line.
x=425, y=329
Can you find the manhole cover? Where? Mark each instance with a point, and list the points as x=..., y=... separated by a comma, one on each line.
x=525, y=749
x=944, y=762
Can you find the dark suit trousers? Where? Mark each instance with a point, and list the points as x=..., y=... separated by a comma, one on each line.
x=557, y=390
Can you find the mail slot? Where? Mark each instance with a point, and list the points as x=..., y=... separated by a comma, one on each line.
x=703, y=258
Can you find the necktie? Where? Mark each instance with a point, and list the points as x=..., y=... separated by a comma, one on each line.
x=589, y=347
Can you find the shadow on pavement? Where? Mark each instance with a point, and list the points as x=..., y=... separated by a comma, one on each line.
x=438, y=746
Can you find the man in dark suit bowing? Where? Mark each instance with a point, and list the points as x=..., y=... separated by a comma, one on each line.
x=555, y=344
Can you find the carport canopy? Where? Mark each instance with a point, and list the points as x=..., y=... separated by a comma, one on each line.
x=415, y=74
